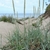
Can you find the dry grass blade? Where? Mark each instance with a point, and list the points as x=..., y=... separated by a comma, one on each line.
x=34, y=11
x=43, y=5
x=24, y=7
x=13, y=6
x=39, y=3
x=24, y=14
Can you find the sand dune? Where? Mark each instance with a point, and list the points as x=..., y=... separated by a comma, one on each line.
x=8, y=28
x=5, y=29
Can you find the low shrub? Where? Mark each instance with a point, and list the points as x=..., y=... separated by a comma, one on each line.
x=4, y=18
x=47, y=12
x=7, y=19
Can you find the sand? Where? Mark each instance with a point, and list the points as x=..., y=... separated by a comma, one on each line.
x=5, y=29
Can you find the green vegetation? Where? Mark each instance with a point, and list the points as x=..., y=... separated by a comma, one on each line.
x=7, y=19
x=47, y=12
x=4, y=18
x=48, y=8
x=34, y=39
x=35, y=25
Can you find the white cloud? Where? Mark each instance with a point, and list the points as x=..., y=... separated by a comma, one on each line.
x=3, y=5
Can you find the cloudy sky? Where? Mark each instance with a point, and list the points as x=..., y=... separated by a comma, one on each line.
x=6, y=6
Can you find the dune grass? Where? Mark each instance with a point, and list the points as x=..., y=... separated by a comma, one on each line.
x=32, y=39
x=9, y=19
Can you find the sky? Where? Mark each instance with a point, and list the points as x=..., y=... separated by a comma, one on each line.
x=6, y=6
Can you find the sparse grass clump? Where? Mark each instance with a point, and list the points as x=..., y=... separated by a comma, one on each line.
x=48, y=10
x=7, y=19
x=35, y=25
x=4, y=18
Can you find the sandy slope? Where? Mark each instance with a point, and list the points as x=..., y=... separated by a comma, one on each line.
x=5, y=29
x=46, y=23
